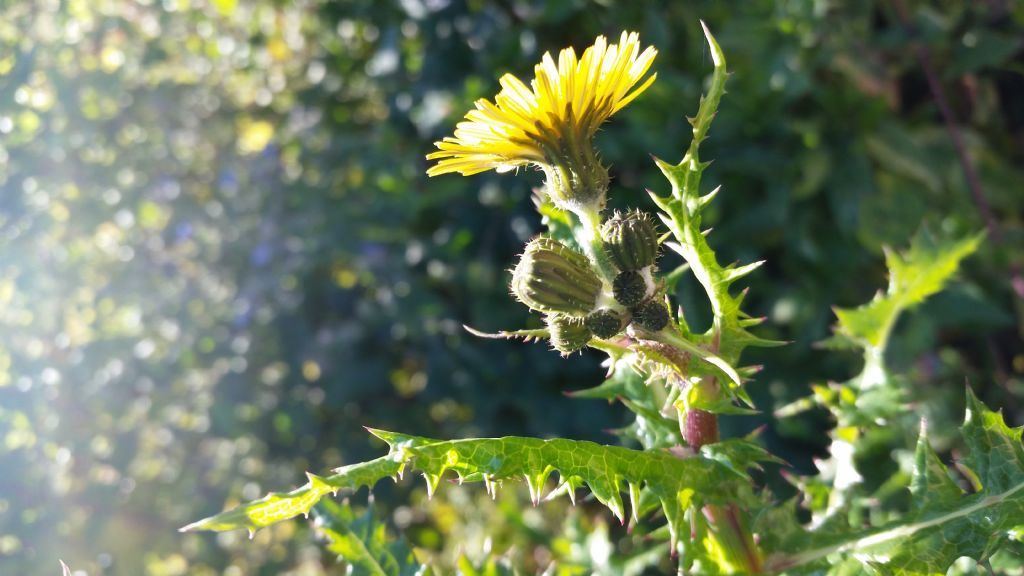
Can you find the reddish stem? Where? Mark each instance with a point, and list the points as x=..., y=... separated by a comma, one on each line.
x=700, y=428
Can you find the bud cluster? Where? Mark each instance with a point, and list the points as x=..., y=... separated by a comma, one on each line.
x=631, y=241
x=563, y=284
x=560, y=282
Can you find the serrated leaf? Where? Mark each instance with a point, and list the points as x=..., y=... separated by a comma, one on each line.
x=943, y=525
x=278, y=506
x=931, y=483
x=914, y=275
x=678, y=483
x=739, y=454
x=363, y=543
x=728, y=335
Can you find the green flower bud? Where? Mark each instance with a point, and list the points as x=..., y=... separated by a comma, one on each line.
x=551, y=277
x=629, y=288
x=568, y=334
x=651, y=315
x=575, y=179
x=631, y=240
x=605, y=322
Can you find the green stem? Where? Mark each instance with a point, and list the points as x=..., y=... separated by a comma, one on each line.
x=589, y=237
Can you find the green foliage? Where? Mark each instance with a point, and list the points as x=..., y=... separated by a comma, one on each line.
x=706, y=495
x=220, y=258
x=363, y=542
x=728, y=335
x=944, y=522
x=607, y=471
x=922, y=271
x=875, y=397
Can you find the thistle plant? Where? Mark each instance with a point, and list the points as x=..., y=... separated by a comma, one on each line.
x=606, y=281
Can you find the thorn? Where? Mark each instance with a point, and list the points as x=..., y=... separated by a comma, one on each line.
x=757, y=431
x=707, y=198
x=489, y=486
x=533, y=490
x=432, y=482
x=318, y=484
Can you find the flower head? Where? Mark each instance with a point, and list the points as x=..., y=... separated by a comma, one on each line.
x=550, y=123
x=551, y=277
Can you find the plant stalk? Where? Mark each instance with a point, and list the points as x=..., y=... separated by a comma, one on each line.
x=700, y=427
x=589, y=237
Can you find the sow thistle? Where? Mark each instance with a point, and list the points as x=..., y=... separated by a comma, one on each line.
x=600, y=286
x=551, y=123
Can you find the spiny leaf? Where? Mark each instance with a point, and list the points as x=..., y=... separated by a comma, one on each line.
x=678, y=483
x=873, y=396
x=931, y=483
x=526, y=335
x=363, y=542
x=739, y=454
x=727, y=337
x=943, y=524
x=914, y=275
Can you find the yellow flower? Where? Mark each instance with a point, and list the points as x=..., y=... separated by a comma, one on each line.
x=551, y=123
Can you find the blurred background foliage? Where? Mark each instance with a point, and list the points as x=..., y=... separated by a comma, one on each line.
x=220, y=256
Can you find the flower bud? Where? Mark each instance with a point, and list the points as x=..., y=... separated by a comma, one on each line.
x=631, y=240
x=629, y=288
x=605, y=322
x=553, y=278
x=651, y=315
x=568, y=334
x=576, y=179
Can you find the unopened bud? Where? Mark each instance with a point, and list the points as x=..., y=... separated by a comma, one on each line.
x=568, y=334
x=631, y=240
x=605, y=322
x=651, y=315
x=629, y=288
x=553, y=278
x=576, y=179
